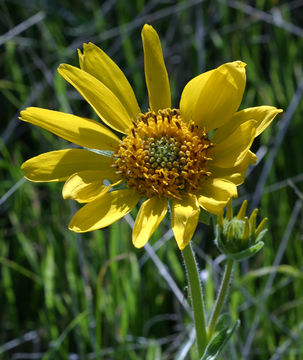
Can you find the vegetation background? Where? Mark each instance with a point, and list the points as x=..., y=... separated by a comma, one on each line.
x=95, y=296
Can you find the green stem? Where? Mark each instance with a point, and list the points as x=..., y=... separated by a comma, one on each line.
x=220, y=298
x=197, y=300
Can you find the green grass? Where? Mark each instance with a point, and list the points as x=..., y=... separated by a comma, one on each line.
x=63, y=295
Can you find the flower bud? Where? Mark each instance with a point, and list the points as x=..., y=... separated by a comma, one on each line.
x=237, y=236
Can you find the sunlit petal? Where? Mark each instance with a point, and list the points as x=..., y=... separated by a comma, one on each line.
x=151, y=213
x=104, y=210
x=60, y=165
x=191, y=94
x=215, y=194
x=216, y=94
x=85, y=186
x=263, y=115
x=99, y=96
x=185, y=216
x=233, y=149
x=235, y=174
x=97, y=63
x=155, y=71
x=78, y=130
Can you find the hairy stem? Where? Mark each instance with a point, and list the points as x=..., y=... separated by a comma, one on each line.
x=197, y=300
x=220, y=298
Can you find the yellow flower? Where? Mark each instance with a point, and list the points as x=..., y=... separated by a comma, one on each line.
x=185, y=158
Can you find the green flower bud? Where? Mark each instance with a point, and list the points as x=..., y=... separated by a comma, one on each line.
x=238, y=237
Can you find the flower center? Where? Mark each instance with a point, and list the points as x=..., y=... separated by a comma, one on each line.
x=163, y=156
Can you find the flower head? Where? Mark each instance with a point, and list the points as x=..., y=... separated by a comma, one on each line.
x=237, y=236
x=187, y=158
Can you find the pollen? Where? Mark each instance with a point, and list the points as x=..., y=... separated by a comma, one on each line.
x=162, y=155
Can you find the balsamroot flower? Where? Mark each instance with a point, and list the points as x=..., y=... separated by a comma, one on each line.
x=187, y=158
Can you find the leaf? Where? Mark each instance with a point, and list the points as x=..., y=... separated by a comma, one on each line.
x=261, y=235
x=217, y=343
x=247, y=253
x=223, y=322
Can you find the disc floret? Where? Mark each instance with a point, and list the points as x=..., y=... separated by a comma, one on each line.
x=162, y=155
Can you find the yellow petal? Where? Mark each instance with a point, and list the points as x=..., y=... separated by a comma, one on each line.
x=99, y=96
x=213, y=97
x=85, y=186
x=60, y=165
x=215, y=194
x=155, y=71
x=191, y=94
x=185, y=216
x=263, y=115
x=151, y=213
x=233, y=149
x=76, y=129
x=102, y=67
x=235, y=174
x=104, y=210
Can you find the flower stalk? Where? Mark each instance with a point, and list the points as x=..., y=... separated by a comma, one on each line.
x=220, y=298
x=196, y=294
